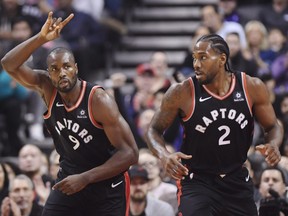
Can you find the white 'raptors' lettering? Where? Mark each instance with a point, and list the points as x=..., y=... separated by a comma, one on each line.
x=75, y=128
x=222, y=113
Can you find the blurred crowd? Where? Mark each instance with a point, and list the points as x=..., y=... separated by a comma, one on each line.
x=258, y=46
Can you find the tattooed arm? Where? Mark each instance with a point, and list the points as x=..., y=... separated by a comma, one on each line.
x=176, y=102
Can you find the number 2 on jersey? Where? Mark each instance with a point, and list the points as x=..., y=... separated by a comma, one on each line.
x=222, y=140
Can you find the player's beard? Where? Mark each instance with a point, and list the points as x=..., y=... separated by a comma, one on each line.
x=70, y=85
x=208, y=80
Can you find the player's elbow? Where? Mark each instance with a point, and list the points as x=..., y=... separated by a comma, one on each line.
x=133, y=155
x=6, y=64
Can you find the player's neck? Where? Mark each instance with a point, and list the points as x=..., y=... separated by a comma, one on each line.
x=221, y=85
x=70, y=98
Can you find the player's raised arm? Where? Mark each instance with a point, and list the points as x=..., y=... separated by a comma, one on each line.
x=13, y=61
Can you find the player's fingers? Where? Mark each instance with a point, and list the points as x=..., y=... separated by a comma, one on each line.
x=67, y=20
x=57, y=22
x=272, y=159
x=56, y=186
x=48, y=22
x=184, y=156
x=49, y=18
x=174, y=175
x=261, y=149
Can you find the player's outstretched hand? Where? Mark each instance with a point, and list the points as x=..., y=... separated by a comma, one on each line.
x=53, y=26
x=270, y=152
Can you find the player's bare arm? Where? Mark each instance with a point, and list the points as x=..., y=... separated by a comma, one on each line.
x=174, y=103
x=106, y=113
x=14, y=61
x=265, y=115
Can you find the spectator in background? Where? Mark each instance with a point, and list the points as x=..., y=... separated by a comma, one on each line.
x=11, y=9
x=141, y=203
x=21, y=199
x=239, y=59
x=30, y=163
x=157, y=187
x=275, y=15
x=44, y=6
x=277, y=41
x=186, y=68
x=142, y=96
x=54, y=164
x=284, y=120
x=213, y=20
x=91, y=7
x=22, y=29
x=12, y=97
x=86, y=39
x=143, y=122
x=257, y=38
x=279, y=70
x=274, y=97
x=272, y=187
x=228, y=9
x=159, y=62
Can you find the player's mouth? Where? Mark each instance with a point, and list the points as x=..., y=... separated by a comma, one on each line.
x=63, y=82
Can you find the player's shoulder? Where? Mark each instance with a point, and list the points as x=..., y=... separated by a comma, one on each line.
x=254, y=82
x=102, y=97
x=256, y=89
x=181, y=86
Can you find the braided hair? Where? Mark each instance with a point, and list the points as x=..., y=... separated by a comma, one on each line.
x=219, y=45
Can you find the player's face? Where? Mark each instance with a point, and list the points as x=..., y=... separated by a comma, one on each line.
x=63, y=71
x=206, y=62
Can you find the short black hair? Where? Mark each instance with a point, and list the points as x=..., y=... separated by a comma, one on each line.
x=58, y=50
x=219, y=45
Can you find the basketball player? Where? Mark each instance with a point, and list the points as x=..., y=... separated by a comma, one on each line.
x=216, y=107
x=95, y=144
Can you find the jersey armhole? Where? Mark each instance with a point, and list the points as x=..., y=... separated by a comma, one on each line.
x=191, y=111
x=94, y=122
x=246, y=92
x=52, y=99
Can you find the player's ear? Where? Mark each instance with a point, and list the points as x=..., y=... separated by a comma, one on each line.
x=223, y=59
x=76, y=66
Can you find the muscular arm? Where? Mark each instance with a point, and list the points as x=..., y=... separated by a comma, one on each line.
x=162, y=119
x=14, y=61
x=119, y=134
x=264, y=112
x=265, y=115
x=176, y=101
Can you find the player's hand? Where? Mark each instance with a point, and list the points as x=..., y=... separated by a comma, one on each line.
x=173, y=166
x=53, y=26
x=71, y=184
x=270, y=152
